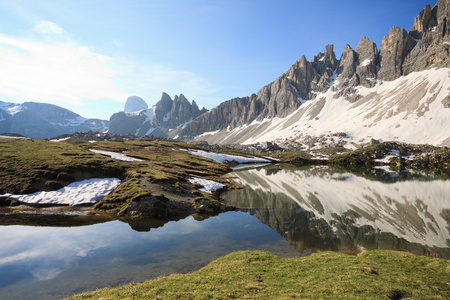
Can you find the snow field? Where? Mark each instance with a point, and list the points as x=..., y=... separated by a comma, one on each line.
x=209, y=186
x=116, y=155
x=82, y=192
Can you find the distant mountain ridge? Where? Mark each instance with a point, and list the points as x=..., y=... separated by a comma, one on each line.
x=325, y=79
x=42, y=120
x=166, y=116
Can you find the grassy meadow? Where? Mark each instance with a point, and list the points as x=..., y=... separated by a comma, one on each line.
x=328, y=275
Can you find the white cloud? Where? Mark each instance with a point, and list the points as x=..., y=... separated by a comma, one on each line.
x=64, y=73
x=55, y=69
x=47, y=27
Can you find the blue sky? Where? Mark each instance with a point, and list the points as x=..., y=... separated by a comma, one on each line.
x=90, y=55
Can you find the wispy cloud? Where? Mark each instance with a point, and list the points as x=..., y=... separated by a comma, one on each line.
x=47, y=27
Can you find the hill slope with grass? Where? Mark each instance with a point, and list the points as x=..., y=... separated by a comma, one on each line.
x=326, y=275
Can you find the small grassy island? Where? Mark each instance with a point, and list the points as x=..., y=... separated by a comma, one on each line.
x=168, y=180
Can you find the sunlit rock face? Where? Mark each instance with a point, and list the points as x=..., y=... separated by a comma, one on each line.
x=319, y=208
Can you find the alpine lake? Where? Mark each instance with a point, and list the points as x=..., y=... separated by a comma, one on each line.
x=283, y=209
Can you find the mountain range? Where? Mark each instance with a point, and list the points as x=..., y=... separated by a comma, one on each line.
x=42, y=120
x=399, y=91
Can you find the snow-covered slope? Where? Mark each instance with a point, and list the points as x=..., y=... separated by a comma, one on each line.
x=413, y=109
x=411, y=209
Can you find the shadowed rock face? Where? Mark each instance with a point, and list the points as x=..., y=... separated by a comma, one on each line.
x=426, y=45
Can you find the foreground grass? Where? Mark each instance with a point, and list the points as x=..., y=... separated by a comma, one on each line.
x=260, y=275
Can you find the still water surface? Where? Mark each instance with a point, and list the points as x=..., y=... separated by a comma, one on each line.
x=286, y=211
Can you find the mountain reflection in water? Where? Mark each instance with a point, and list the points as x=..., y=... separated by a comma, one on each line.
x=320, y=208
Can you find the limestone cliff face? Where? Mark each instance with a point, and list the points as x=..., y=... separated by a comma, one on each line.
x=427, y=45
x=431, y=31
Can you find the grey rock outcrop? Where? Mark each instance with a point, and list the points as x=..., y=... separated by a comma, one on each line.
x=394, y=47
x=162, y=110
x=347, y=78
x=366, y=70
x=431, y=31
x=135, y=103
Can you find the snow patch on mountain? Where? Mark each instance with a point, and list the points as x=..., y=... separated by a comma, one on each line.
x=11, y=108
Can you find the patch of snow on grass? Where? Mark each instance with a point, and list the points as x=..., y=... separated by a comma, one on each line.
x=223, y=158
x=387, y=159
x=116, y=155
x=81, y=192
x=12, y=137
x=60, y=140
x=209, y=186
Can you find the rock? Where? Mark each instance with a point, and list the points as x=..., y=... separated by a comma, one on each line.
x=325, y=61
x=181, y=112
x=155, y=206
x=367, y=53
x=347, y=69
x=135, y=103
x=431, y=31
x=374, y=142
x=394, y=47
x=162, y=110
x=203, y=205
x=422, y=22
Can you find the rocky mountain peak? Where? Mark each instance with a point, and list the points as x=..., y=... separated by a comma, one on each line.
x=135, y=103
x=422, y=23
x=367, y=53
x=394, y=47
x=325, y=61
x=162, y=110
